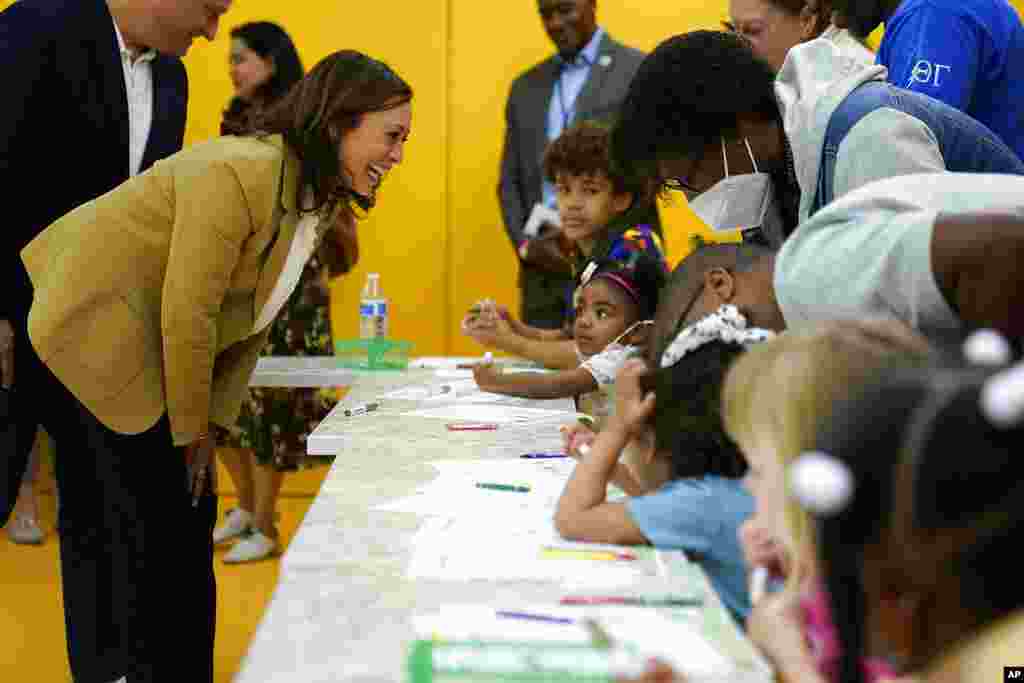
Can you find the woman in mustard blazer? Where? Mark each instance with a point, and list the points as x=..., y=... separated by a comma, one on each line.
x=151, y=304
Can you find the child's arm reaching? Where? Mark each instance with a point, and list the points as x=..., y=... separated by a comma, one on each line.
x=550, y=348
x=528, y=331
x=483, y=313
x=583, y=513
x=533, y=385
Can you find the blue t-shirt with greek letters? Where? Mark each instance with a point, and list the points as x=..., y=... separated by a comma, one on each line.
x=966, y=53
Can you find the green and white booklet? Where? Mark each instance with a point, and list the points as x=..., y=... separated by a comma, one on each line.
x=530, y=643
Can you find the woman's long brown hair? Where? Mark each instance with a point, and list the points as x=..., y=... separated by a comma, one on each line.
x=315, y=114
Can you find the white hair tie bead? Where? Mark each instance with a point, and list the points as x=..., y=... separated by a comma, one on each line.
x=1002, y=397
x=987, y=347
x=820, y=483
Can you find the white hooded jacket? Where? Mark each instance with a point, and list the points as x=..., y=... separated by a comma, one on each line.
x=814, y=80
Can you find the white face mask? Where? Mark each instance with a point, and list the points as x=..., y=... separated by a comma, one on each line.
x=616, y=346
x=639, y=323
x=740, y=202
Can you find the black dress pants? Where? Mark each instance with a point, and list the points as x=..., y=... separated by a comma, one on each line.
x=136, y=556
x=18, y=423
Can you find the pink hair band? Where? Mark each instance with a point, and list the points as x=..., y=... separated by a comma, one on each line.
x=624, y=283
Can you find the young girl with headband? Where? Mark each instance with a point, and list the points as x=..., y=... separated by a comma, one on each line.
x=615, y=304
x=678, y=464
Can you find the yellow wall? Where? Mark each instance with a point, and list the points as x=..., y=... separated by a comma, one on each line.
x=436, y=235
x=405, y=239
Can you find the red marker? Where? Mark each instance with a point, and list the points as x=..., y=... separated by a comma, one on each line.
x=631, y=601
x=471, y=426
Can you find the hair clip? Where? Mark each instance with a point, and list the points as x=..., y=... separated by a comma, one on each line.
x=987, y=347
x=820, y=483
x=588, y=273
x=1002, y=398
x=726, y=324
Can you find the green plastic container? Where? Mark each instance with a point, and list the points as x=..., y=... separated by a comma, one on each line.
x=373, y=354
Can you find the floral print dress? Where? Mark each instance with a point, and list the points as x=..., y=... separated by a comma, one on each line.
x=275, y=422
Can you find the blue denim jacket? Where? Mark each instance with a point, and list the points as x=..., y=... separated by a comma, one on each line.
x=966, y=145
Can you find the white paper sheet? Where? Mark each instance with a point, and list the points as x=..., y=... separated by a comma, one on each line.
x=498, y=414
x=441, y=391
x=466, y=548
x=442, y=362
x=453, y=373
x=675, y=641
x=495, y=624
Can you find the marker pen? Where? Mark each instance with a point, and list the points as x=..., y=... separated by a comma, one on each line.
x=631, y=601
x=584, y=554
x=509, y=614
x=520, y=488
x=758, y=584
x=359, y=410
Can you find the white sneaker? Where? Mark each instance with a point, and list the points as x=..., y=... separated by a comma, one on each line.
x=25, y=531
x=253, y=547
x=237, y=522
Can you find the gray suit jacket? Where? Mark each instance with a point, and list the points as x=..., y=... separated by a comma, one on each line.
x=526, y=123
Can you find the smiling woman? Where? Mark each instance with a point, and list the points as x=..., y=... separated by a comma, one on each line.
x=199, y=255
x=348, y=121
x=269, y=437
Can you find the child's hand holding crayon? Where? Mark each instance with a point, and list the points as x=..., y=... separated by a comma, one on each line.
x=473, y=316
x=576, y=435
x=483, y=314
x=487, y=375
x=491, y=332
x=762, y=549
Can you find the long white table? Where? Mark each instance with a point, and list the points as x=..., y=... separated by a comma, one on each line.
x=342, y=607
x=299, y=371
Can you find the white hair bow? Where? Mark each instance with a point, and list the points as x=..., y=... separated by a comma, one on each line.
x=726, y=324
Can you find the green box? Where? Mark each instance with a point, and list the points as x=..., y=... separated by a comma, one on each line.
x=508, y=662
x=373, y=354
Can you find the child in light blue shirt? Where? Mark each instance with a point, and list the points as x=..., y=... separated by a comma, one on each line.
x=700, y=515
x=679, y=467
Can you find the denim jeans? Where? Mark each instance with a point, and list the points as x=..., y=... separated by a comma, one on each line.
x=966, y=145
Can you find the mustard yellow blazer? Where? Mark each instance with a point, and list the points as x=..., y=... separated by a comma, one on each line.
x=145, y=298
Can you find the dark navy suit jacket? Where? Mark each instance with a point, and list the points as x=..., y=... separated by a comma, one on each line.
x=64, y=123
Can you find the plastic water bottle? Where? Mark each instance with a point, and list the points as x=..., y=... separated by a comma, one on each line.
x=373, y=309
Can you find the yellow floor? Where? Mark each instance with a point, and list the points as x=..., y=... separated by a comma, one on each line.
x=31, y=616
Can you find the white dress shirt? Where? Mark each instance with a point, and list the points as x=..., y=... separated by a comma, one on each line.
x=302, y=247
x=138, y=84
x=572, y=77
